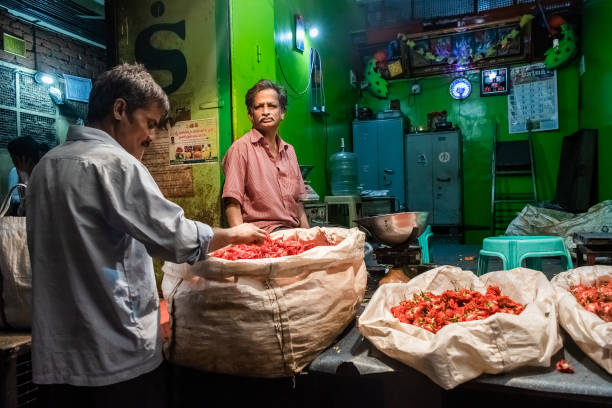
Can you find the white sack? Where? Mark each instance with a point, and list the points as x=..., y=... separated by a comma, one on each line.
x=542, y=221
x=16, y=302
x=265, y=317
x=462, y=351
x=591, y=333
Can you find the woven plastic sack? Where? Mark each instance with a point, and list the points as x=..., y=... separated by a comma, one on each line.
x=462, y=351
x=15, y=271
x=265, y=317
x=591, y=333
x=542, y=221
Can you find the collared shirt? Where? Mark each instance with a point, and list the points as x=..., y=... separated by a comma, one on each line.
x=95, y=215
x=13, y=179
x=268, y=189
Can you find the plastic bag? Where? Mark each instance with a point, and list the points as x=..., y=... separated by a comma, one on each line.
x=15, y=270
x=462, y=351
x=592, y=334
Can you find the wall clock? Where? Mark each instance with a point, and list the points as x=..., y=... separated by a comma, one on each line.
x=460, y=88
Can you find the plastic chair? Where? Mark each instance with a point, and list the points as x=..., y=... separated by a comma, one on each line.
x=514, y=249
x=352, y=202
x=424, y=244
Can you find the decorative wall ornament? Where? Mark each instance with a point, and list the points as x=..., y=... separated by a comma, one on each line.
x=477, y=46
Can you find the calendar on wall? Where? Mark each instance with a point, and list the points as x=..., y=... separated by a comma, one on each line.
x=533, y=99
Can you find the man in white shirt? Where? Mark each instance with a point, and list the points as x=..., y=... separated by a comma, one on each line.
x=95, y=218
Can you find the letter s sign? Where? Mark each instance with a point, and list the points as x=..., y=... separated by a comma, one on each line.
x=156, y=59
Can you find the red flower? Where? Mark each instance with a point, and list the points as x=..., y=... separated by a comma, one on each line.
x=564, y=367
x=432, y=312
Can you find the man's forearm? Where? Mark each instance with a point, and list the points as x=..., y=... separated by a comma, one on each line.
x=302, y=216
x=233, y=212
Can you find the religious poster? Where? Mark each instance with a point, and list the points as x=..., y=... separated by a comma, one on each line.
x=194, y=141
x=532, y=99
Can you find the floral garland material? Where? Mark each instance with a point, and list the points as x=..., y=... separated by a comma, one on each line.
x=271, y=248
x=596, y=299
x=433, y=312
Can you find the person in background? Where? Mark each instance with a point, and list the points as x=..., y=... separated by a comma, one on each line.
x=25, y=153
x=263, y=182
x=95, y=218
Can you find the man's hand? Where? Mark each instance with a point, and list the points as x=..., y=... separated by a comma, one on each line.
x=240, y=234
x=247, y=234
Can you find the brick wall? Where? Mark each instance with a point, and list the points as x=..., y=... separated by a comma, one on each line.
x=56, y=53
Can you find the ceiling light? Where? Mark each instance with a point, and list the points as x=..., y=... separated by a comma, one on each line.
x=313, y=32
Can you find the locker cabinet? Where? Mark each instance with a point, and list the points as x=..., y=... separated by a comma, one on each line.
x=379, y=146
x=433, y=175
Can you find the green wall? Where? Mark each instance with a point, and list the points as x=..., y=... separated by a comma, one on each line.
x=315, y=137
x=596, y=109
x=266, y=25
x=478, y=119
x=252, y=55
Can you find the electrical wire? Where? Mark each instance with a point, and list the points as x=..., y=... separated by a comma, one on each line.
x=287, y=81
x=321, y=77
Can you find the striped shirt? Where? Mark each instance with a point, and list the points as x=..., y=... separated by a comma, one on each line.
x=268, y=189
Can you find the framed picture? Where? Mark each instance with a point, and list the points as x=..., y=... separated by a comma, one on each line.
x=417, y=55
x=299, y=32
x=447, y=50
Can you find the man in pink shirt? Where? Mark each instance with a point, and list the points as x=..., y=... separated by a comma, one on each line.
x=263, y=183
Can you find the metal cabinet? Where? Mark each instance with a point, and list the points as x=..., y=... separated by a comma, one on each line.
x=379, y=146
x=433, y=175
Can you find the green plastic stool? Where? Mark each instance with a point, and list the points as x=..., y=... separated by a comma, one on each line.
x=424, y=244
x=514, y=249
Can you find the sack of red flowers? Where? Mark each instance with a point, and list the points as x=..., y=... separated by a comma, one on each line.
x=265, y=317
x=466, y=342
x=584, y=300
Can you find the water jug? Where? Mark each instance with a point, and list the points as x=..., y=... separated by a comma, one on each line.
x=343, y=172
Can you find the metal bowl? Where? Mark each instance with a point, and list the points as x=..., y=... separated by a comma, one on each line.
x=395, y=229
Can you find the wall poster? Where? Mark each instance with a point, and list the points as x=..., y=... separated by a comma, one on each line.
x=194, y=141
x=533, y=98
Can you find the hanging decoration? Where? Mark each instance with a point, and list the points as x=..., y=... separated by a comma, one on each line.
x=377, y=85
x=565, y=43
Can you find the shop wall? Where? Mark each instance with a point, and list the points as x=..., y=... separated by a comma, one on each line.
x=55, y=53
x=595, y=106
x=478, y=118
x=252, y=55
x=314, y=136
x=185, y=46
x=262, y=39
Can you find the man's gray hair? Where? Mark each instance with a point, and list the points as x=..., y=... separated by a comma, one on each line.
x=262, y=85
x=131, y=82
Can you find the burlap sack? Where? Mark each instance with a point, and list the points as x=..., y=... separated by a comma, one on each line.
x=462, y=351
x=592, y=334
x=265, y=317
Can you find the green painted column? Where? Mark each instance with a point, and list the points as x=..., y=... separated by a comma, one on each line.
x=595, y=106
